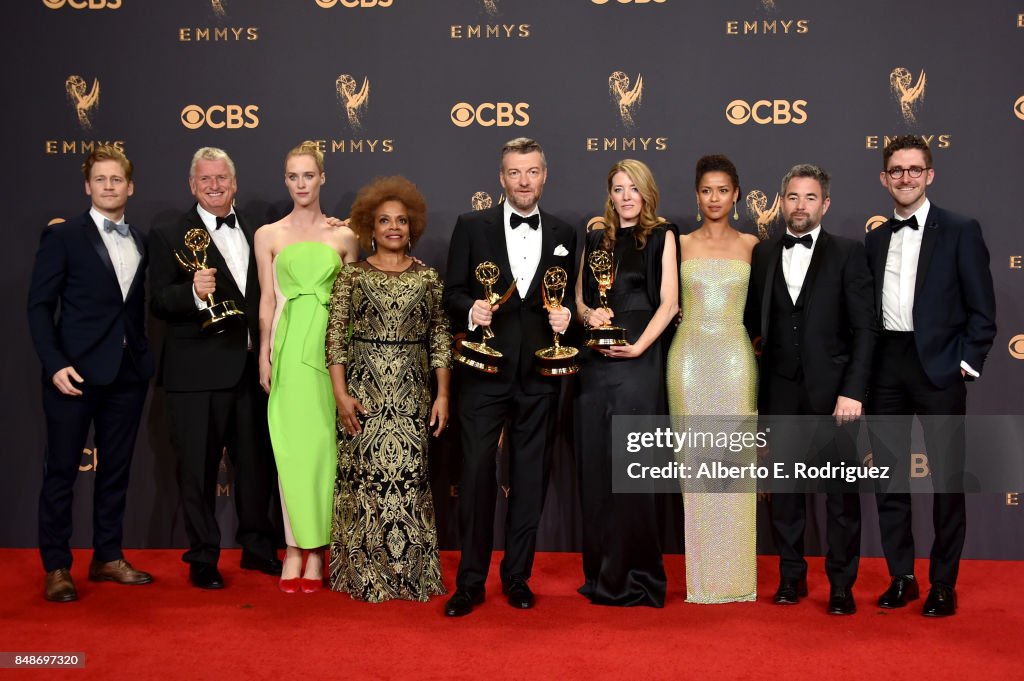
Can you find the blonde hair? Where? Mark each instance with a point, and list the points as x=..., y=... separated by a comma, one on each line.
x=210, y=154
x=643, y=178
x=107, y=152
x=308, y=148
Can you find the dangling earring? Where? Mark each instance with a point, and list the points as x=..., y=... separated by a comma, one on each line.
x=735, y=210
x=373, y=244
x=408, y=247
x=698, y=211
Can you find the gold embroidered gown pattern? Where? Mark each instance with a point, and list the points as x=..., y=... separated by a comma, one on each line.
x=390, y=331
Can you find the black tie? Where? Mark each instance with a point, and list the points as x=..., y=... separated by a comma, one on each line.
x=517, y=219
x=897, y=225
x=788, y=240
x=228, y=220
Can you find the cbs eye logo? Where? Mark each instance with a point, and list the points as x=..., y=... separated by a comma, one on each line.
x=1018, y=108
x=230, y=116
x=83, y=4
x=874, y=222
x=488, y=114
x=766, y=111
x=1016, y=346
x=327, y=4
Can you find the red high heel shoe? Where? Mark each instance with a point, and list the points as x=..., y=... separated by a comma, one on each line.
x=310, y=585
x=290, y=586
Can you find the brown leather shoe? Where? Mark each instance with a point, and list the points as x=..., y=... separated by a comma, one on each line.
x=59, y=587
x=120, y=571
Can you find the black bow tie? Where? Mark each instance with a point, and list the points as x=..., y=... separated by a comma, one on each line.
x=897, y=225
x=788, y=240
x=228, y=220
x=517, y=219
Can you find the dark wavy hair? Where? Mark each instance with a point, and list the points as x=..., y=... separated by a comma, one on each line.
x=906, y=142
x=716, y=163
x=394, y=188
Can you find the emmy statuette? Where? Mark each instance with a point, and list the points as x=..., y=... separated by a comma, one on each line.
x=217, y=317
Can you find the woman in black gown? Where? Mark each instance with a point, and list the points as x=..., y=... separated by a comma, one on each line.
x=622, y=562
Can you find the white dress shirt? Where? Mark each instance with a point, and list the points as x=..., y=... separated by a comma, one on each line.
x=901, y=274
x=524, y=246
x=900, y=279
x=795, y=262
x=124, y=253
x=232, y=245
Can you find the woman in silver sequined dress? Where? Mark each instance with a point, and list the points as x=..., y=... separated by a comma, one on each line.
x=711, y=372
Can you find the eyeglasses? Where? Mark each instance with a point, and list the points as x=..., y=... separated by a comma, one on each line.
x=896, y=172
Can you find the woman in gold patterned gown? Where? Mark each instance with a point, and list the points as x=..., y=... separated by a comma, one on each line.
x=387, y=331
x=712, y=372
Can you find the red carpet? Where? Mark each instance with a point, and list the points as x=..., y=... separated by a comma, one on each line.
x=169, y=630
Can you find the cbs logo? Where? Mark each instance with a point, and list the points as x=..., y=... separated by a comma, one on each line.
x=327, y=4
x=1016, y=346
x=627, y=2
x=230, y=116
x=1018, y=108
x=765, y=111
x=874, y=222
x=501, y=114
x=83, y=4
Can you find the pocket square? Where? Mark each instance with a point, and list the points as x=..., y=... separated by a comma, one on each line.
x=560, y=250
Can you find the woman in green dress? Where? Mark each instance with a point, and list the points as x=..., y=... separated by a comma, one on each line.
x=298, y=258
x=387, y=332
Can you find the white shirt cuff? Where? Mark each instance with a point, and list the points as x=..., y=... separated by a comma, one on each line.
x=472, y=326
x=200, y=303
x=967, y=367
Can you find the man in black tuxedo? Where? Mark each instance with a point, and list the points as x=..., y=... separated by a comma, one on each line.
x=935, y=304
x=96, y=368
x=524, y=242
x=810, y=301
x=214, y=400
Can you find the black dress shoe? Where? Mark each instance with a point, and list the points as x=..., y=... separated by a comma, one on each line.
x=269, y=566
x=903, y=588
x=840, y=602
x=462, y=602
x=941, y=602
x=790, y=592
x=205, y=576
x=519, y=594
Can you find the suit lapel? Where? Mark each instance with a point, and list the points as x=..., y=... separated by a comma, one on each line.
x=547, y=247
x=774, y=258
x=92, y=233
x=880, y=255
x=819, y=254
x=496, y=220
x=928, y=240
x=140, y=272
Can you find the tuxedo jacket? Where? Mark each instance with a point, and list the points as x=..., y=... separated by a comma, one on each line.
x=520, y=325
x=954, y=299
x=96, y=323
x=190, y=361
x=837, y=323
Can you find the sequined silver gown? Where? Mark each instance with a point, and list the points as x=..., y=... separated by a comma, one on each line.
x=711, y=371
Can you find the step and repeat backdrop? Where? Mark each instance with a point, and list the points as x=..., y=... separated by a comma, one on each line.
x=431, y=89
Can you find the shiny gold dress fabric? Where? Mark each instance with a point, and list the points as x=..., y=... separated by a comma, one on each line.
x=390, y=331
x=712, y=372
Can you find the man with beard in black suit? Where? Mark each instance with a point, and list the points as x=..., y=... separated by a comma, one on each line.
x=524, y=242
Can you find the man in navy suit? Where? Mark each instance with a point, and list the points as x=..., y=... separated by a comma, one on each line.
x=936, y=309
x=524, y=242
x=96, y=367
x=214, y=399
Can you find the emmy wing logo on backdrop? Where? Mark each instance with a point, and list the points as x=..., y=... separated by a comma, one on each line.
x=626, y=96
x=84, y=101
x=483, y=201
x=908, y=93
x=218, y=7
x=355, y=102
x=764, y=217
